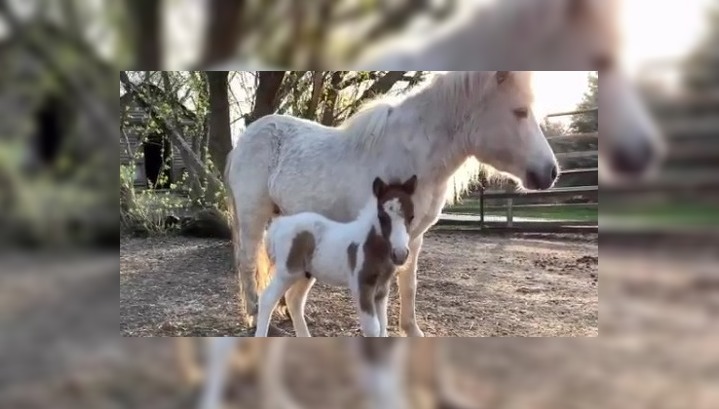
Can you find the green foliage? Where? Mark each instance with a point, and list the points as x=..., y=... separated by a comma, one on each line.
x=703, y=63
x=584, y=123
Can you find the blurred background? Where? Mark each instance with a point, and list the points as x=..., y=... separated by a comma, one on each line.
x=60, y=132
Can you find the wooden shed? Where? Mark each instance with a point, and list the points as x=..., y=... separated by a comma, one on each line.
x=158, y=163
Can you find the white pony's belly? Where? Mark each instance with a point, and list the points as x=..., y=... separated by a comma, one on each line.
x=326, y=192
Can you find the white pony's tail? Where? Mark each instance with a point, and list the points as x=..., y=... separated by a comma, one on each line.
x=233, y=217
x=269, y=240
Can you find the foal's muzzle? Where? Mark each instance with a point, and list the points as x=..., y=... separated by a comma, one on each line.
x=399, y=256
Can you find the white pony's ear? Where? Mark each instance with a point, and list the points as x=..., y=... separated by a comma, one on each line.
x=410, y=185
x=378, y=187
x=502, y=76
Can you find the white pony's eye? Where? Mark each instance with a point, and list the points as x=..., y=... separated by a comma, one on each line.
x=521, y=113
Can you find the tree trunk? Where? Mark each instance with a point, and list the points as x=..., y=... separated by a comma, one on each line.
x=148, y=29
x=266, y=101
x=224, y=27
x=220, y=142
x=328, y=115
x=318, y=78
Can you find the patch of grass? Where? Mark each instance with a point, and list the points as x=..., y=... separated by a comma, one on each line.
x=559, y=212
x=679, y=213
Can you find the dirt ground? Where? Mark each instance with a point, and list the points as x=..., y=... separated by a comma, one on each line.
x=657, y=349
x=469, y=285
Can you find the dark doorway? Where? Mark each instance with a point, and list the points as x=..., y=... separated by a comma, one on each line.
x=158, y=161
x=51, y=121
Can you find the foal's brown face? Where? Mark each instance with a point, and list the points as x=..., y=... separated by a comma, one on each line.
x=395, y=211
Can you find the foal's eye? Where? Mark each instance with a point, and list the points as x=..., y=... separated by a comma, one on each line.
x=521, y=113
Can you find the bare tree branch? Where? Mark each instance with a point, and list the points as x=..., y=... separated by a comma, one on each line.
x=379, y=87
x=193, y=161
x=97, y=114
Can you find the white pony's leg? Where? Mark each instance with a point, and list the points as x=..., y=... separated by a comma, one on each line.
x=407, y=283
x=380, y=305
x=252, y=212
x=296, y=299
x=187, y=361
x=218, y=358
x=280, y=283
x=381, y=369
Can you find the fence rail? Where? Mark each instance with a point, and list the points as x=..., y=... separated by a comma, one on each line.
x=691, y=127
x=517, y=224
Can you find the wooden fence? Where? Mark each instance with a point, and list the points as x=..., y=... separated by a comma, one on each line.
x=512, y=200
x=690, y=175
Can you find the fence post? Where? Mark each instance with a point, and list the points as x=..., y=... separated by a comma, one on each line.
x=481, y=207
x=510, y=215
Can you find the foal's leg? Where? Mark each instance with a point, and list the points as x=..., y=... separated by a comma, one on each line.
x=380, y=303
x=272, y=386
x=407, y=282
x=296, y=299
x=280, y=283
x=218, y=357
x=364, y=299
x=381, y=372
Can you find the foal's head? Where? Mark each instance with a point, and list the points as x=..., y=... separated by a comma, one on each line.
x=395, y=212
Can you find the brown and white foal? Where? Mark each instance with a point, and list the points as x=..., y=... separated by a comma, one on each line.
x=362, y=255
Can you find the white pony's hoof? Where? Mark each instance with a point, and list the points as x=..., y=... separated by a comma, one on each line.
x=412, y=331
x=282, y=312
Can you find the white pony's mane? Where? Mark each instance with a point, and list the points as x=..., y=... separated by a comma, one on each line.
x=368, y=126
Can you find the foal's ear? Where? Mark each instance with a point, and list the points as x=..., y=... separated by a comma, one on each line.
x=378, y=187
x=502, y=76
x=410, y=185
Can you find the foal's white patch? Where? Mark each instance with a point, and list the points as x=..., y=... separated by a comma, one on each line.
x=370, y=324
x=393, y=207
x=399, y=237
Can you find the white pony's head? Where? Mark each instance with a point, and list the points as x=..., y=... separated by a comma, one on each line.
x=395, y=213
x=571, y=34
x=501, y=129
x=630, y=143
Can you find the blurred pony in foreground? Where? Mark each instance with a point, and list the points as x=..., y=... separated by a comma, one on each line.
x=545, y=35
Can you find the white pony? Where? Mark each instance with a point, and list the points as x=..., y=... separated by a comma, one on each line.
x=519, y=34
x=362, y=254
x=285, y=165
x=630, y=145
x=545, y=35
